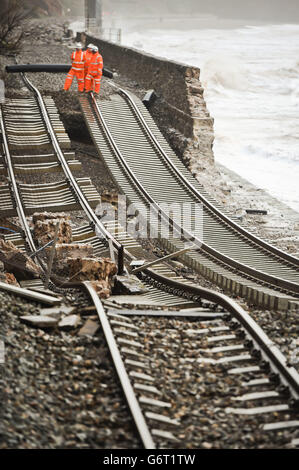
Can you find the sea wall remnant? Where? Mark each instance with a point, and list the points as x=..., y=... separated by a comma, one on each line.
x=180, y=110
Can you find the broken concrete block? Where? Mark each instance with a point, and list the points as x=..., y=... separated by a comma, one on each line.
x=102, y=288
x=69, y=322
x=92, y=269
x=9, y=278
x=40, y=321
x=74, y=250
x=129, y=285
x=57, y=312
x=49, y=215
x=89, y=329
x=66, y=251
x=16, y=261
x=44, y=231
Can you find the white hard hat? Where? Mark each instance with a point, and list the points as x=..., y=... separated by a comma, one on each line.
x=95, y=48
x=90, y=46
x=78, y=45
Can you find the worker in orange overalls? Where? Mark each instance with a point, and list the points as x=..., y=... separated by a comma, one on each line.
x=88, y=57
x=95, y=71
x=77, y=69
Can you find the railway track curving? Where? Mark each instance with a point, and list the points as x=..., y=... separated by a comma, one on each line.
x=133, y=149
x=224, y=336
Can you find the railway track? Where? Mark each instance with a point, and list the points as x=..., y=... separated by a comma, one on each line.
x=224, y=334
x=134, y=149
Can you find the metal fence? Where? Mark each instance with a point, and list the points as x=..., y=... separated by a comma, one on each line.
x=110, y=34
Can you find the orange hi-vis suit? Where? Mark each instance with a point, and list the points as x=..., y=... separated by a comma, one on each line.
x=88, y=56
x=77, y=70
x=94, y=74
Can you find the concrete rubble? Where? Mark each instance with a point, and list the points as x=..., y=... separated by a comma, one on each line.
x=57, y=311
x=102, y=288
x=8, y=278
x=40, y=321
x=69, y=322
x=129, y=285
x=57, y=386
x=45, y=225
x=16, y=262
x=89, y=329
x=91, y=269
x=73, y=260
x=67, y=250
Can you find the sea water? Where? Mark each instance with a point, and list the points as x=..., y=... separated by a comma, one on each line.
x=251, y=80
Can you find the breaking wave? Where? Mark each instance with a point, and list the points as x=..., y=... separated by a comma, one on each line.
x=251, y=79
x=226, y=71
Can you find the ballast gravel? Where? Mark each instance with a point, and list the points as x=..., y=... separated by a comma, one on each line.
x=58, y=390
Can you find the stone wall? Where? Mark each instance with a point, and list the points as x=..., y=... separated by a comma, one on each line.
x=180, y=110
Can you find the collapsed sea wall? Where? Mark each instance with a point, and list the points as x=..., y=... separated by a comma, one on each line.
x=180, y=110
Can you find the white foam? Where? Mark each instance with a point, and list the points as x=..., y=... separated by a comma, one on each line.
x=251, y=78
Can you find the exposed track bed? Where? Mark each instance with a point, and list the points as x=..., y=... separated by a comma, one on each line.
x=134, y=150
x=223, y=338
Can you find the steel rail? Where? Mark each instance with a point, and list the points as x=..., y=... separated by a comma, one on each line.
x=121, y=371
x=30, y=294
x=234, y=225
x=82, y=200
x=131, y=398
x=271, y=352
x=18, y=201
x=256, y=274
x=34, y=252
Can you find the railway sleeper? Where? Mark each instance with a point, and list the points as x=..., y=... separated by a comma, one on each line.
x=252, y=291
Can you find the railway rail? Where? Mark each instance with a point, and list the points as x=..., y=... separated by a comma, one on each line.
x=134, y=149
x=218, y=320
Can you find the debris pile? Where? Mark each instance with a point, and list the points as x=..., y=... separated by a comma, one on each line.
x=45, y=225
x=73, y=261
x=92, y=269
x=98, y=270
x=67, y=250
x=102, y=288
x=8, y=278
x=16, y=263
x=63, y=318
